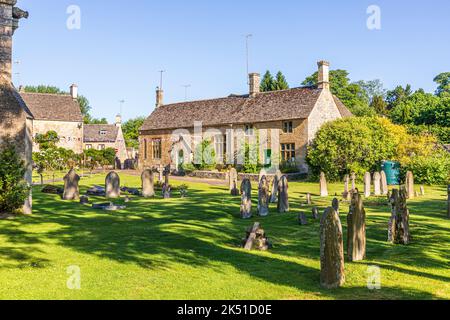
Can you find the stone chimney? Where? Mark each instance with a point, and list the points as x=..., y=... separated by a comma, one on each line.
x=9, y=22
x=118, y=120
x=324, y=75
x=159, y=97
x=74, y=91
x=254, y=84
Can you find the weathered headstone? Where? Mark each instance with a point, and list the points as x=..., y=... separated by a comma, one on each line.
x=315, y=213
x=346, y=194
x=302, y=219
x=323, y=185
x=335, y=205
x=353, y=180
x=262, y=173
x=398, y=232
x=233, y=182
x=332, y=273
x=256, y=239
x=71, y=189
x=274, y=195
x=166, y=191
x=283, y=195
x=410, y=185
x=246, y=199
x=112, y=185
x=263, y=197
x=356, y=229
x=148, y=184
x=367, y=184
x=377, y=183
x=384, y=184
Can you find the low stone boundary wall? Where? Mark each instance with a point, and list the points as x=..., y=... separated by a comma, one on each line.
x=241, y=176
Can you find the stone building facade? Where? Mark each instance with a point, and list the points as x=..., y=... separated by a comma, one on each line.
x=15, y=117
x=283, y=123
x=104, y=136
x=57, y=112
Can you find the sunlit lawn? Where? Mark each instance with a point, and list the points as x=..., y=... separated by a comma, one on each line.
x=189, y=249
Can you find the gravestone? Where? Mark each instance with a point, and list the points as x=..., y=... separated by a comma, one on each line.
x=263, y=197
x=377, y=184
x=148, y=184
x=384, y=184
x=262, y=173
x=246, y=199
x=274, y=194
x=422, y=191
x=166, y=191
x=233, y=182
x=356, y=229
x=112, y=185
x=410, y=185
x=398, y=232
x=335, y=205
x=256, y=239
x=302, y=219
x=283, y=195
x=332, y=273
x=346, y=194
x=353, y=179
x=71, y=189
x=117, y=164
x=367, y=185
x=308, y=199
x=315, y=213
x=323, y=185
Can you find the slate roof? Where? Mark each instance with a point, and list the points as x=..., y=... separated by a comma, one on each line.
x=10, y=100
x=289, y=104
x=92, y=133
x=53, y=107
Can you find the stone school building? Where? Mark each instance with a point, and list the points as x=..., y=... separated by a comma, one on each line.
x=295, y=115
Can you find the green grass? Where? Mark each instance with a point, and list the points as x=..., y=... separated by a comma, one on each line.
x=189, y=249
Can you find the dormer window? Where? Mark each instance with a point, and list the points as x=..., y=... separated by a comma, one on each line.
x=103, y=132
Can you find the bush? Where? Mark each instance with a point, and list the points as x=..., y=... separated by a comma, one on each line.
x=430, y=170
x=13, y=188
x=101, y=157
x=188, y=167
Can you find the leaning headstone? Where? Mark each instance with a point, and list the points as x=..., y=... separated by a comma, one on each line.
x=283, y=195
x=246, y=199
x=353, y=178
x=332, y=273
x=346, y=194
x=410, y=185
x=148, y=184
x=71, y=190
x=384, y=184
x=302, y=220
x=233, y=182
x=422, y=191
x=356, y=229
x=377, y=183
x=315, y=213
x=398, y=232
x=367, y=185
x=323, y=185
x=263, y=197
x=112, y=185
x=256, y=239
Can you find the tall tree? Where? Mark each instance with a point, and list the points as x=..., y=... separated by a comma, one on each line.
x=131, y=131
x=372, y=89
x=280, y=82
x=398, y=95
x=267, y=83
x=379, y=105
x=443, y=81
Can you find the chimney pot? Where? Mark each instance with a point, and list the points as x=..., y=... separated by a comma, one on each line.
x=254, y=84
x=159, y=97
x=324, y=75
x=74, y=91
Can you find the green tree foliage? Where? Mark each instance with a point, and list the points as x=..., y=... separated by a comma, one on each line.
x=13, y=188
x=131, y=131
x=372, y=89
x=443, y=81
x=398, y=95
x=47, y=140
x=104, y=157
x=43, y=89
x=268, y=82
x=280, y=82
x=379, y=105
x=431, y=170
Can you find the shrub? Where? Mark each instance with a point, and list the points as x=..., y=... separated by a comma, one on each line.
x=430, y=170
x=188, y=167
x=101, y=157
x=13, y=188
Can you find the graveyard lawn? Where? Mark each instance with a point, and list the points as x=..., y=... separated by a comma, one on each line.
x=190, y=249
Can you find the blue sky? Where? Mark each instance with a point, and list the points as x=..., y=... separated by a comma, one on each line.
x=122, y=44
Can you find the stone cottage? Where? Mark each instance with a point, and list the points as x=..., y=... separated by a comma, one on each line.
x=104, y=136
x=57, y=112
x=282, y=122
x=15, y=117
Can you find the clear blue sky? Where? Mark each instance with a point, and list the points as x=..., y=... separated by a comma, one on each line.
x=122, y=45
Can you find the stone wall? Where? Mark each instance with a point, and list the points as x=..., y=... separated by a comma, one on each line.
x=241, y=176
x=70, y=133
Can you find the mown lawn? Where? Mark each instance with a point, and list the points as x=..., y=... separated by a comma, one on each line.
x=189, y=249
